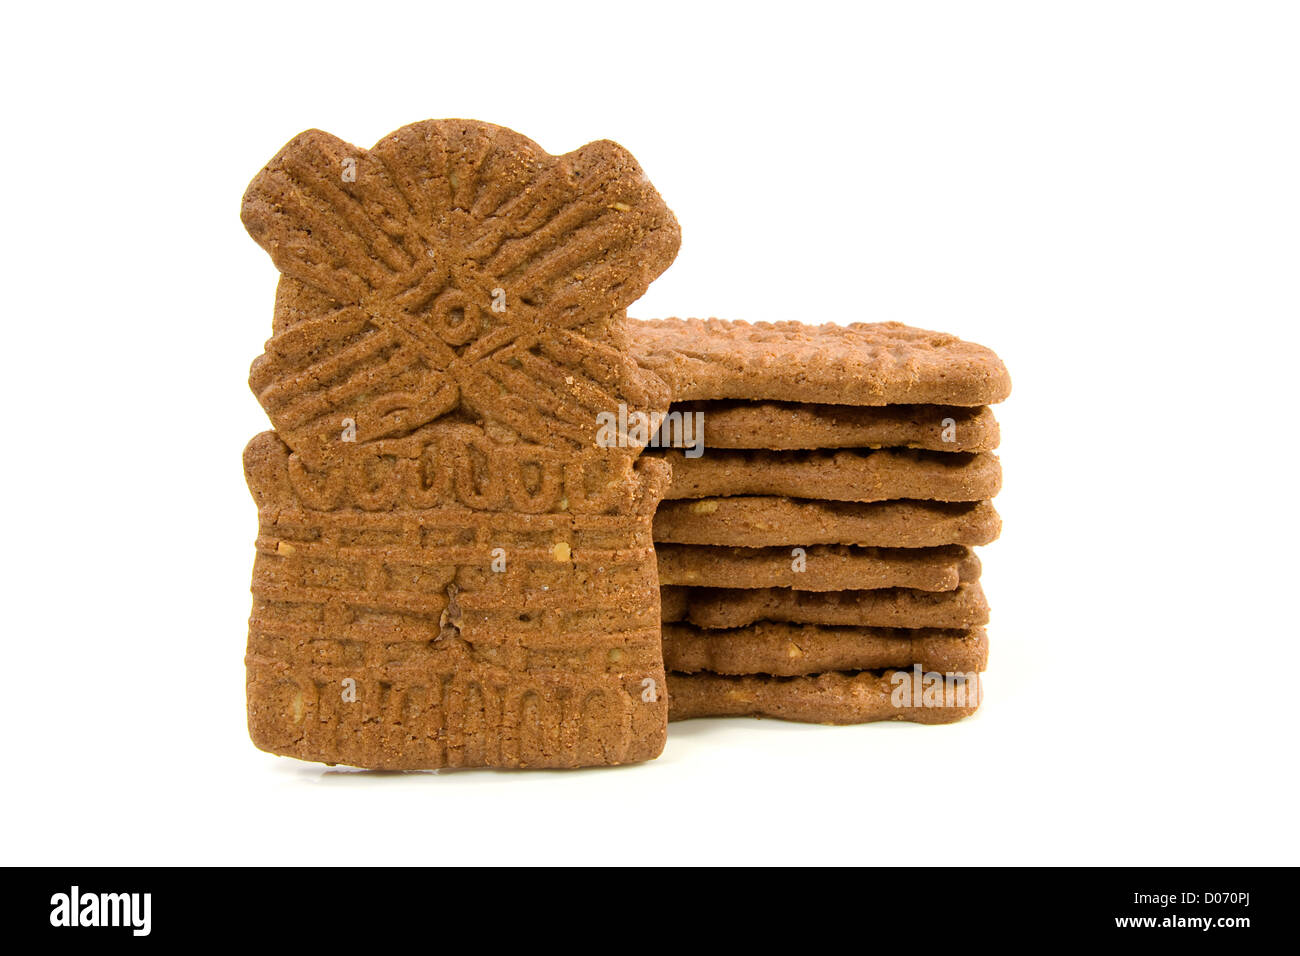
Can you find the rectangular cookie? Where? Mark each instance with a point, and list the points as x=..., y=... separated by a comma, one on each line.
x=884, y=474
x=791, y=426
x=881, y=363
x=819, y=567
x=763, y=521
x=790, y=650
x=405, y=637
x=889, y=607
x=834, y=698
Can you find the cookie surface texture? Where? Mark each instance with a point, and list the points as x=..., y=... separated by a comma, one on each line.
x=884, y=607
x=883, y=474
x=793, y=650
x=816, y=568
x=794, y=426
x=834, y=698
x=451, y=571
x=866, y=363
x=761, y=521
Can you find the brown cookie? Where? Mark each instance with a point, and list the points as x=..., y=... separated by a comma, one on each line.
x=888, y=607
x=454, y=267
x=761, y=521
x=788, y=650
x=846, y=475
x=791, y=426
x=883, y=363
x=833, y=698
x=450, y=572
x=816, y=568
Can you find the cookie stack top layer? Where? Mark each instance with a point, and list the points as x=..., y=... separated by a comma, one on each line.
x=880, y=363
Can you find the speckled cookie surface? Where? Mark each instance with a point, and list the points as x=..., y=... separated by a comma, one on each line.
x=817, y=567
x=395, y=628
x=791, y=650
x=763, y=521
x=834, y=698
x=450, y=572
x=790, y=425
x=455, y=265
x=887, y=607
x=883, y=363
x=843, y=475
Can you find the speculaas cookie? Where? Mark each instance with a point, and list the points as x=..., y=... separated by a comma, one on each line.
x=887, y=607
x=450, y=571
x=454, y=266
x=882, y=363
x=833, y=698
x=763, y=521
x=754, y=635
x=790, y=650
x=791, y=426
x=884, y=474
x=816, y=568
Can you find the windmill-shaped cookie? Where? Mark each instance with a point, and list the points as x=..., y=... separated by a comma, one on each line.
x=450, y=569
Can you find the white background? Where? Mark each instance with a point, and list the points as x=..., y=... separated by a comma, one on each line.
x=1108, y=194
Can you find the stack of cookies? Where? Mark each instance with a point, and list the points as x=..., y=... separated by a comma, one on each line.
x=814, y=545
x=462, y=556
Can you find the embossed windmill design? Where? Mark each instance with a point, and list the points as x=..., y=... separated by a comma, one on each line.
x=456, y=296
x=454, y=265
